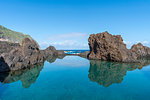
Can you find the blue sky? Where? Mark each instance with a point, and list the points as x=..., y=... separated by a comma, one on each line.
x=67, y=24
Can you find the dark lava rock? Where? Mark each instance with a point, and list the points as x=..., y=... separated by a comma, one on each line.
x=3, y=65
x=60, y=52
x=50, y=51
x=23, y=56
x=7, y=46
x=104, y=46
x=140, y=50
x=14, y=56
x=84, y=54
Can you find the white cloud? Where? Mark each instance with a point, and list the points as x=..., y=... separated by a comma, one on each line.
x=73, y=35
x=130, y=43
x=146, y=42
x=67, y=41
x=71, y=61
x=76, y=40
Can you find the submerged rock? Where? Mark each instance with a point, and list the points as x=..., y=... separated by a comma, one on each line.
x=104, y=46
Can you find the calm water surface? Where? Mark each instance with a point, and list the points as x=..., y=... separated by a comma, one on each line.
x=76, y=78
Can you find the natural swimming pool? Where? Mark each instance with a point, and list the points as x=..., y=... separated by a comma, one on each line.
x=76, y=78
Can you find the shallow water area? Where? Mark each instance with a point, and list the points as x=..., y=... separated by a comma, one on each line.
x=76, y=78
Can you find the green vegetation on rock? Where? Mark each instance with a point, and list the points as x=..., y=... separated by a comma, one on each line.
x=12, y=36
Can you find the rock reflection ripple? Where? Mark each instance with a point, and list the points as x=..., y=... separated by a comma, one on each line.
x=27, y=76
x=106, y=73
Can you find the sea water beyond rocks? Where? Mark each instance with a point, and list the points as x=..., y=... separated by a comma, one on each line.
x=14, y=56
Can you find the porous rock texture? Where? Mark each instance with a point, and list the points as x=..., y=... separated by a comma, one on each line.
x=24, y=55
x=104, y=46
x=140, y=50
x=7, y=46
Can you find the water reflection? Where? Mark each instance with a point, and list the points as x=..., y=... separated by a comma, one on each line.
x=27, y=76
x=107, y=73
x=52, y=59
x=102, y=72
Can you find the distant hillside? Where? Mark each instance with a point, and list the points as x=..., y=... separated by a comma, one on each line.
x=11, y=36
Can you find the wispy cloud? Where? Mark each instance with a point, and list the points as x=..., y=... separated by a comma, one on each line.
x=73, y=35
x=73, y=40
x=130, y=43
x=76, y=40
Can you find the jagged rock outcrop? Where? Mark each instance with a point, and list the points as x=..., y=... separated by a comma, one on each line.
x=50, y=51
x=21, y=56
x=140, y=50
x=104, y=46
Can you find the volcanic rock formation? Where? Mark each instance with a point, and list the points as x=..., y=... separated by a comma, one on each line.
x=104, y=46
x=7, y=46
x=16, y=56
x=28, y=75
x=140, y=50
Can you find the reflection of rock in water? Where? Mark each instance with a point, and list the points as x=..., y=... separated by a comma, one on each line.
x=52, y=59
x=27, y=76
x=107, y=73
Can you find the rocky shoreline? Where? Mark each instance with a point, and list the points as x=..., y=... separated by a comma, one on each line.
x=14, y=56
x=103, y=46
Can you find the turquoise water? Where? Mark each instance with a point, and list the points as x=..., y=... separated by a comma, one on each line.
x=76, y=78
x=74, y=51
